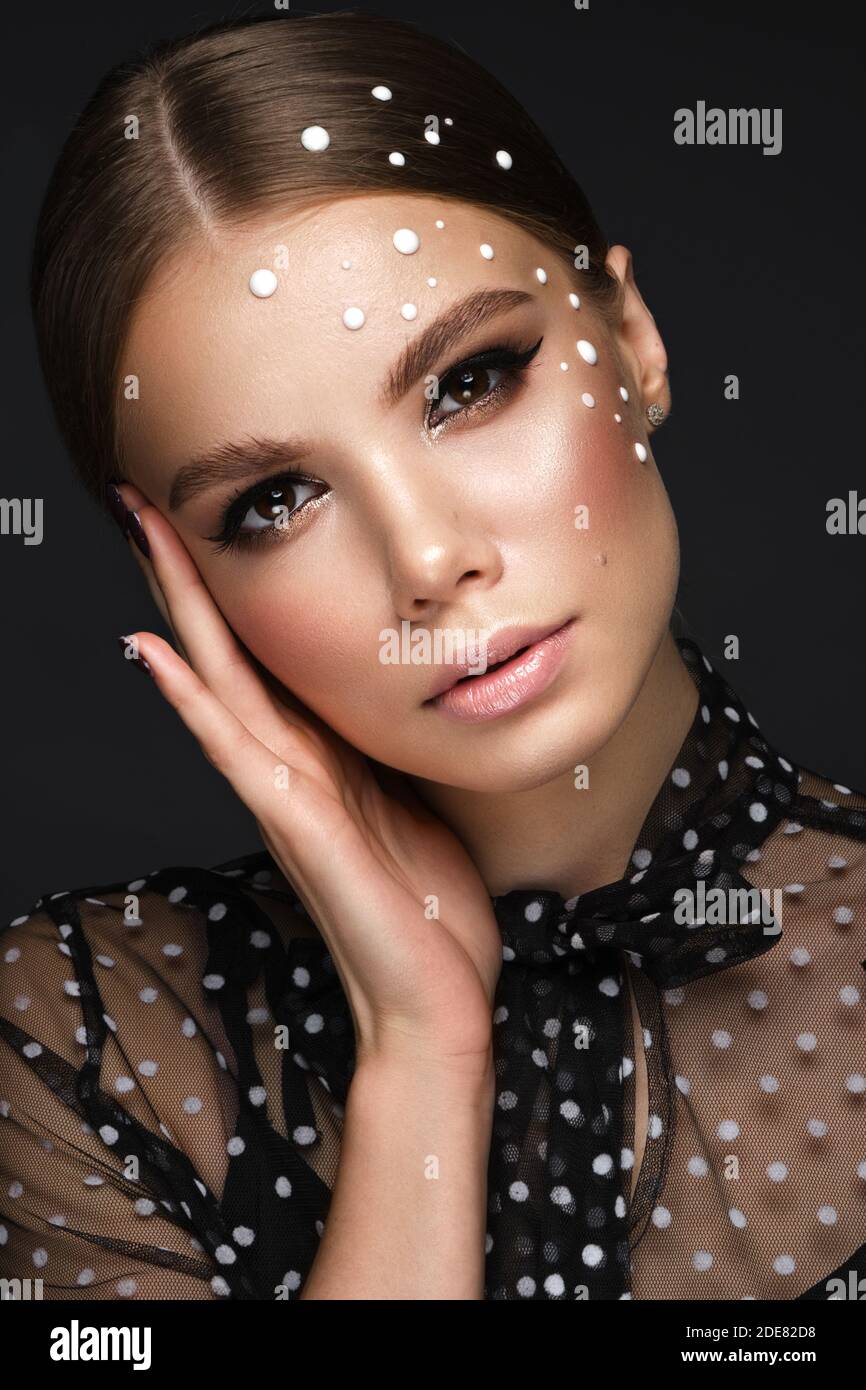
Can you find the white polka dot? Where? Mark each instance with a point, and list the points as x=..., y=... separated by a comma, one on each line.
x=315, y=138
x=587, y=351
x=262, y=283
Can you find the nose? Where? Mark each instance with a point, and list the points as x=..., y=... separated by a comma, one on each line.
x=436, y=558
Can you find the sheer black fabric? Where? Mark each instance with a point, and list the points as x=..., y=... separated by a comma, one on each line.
x=680, y=1100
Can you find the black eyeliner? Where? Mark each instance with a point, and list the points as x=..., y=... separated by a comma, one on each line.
x=505, y=355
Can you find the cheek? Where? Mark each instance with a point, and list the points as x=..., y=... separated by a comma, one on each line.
x=318, y=644
x=590, y=491
x=303, y=639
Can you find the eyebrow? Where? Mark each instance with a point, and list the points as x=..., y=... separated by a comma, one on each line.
x=230, y=462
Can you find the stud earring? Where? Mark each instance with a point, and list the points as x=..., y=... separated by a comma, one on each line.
x=655, y=413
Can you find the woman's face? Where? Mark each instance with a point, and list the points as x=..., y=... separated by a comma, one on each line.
x=511, y=499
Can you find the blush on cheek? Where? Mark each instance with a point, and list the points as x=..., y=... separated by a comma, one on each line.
x=285, y=639
x=607, y=485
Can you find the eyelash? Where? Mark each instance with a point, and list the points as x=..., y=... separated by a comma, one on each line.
x=508, y=358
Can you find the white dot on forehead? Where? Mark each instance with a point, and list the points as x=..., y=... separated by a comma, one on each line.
x=432, y=282
x=641, y=452
x=503, y=159
x=346, y=265
x=564, y=366
x=409, y=311
x=574, y=301
x=382, y=93
x=486, y=251
x=542, y=275
x=395, y=157
x=406, y=240
x=315, y=137
x=439, y=223
x=587, y=351
x=263, y=283
x=354, y=318
x=623, y=393
x=588, y=399
x=618, y=418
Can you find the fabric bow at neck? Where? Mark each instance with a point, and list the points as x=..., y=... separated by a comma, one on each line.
x=561, y=1214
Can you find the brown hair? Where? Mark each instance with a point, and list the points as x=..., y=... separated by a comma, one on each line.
x=219, y=114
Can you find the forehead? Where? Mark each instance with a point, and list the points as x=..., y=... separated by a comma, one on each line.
x=213, y=359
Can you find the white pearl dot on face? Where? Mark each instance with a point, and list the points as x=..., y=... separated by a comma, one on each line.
x=503, y=159
x=640, y=451
x=439, y=223
x=574, y=301
x=486, y=251
x=409, y=311
x=354, y=318
x=315, y=138
x=346, y=264
x=587, y=351
x=588, y=399
x=432, y=282
x=541, y=275
x=564, y=366
x=395, y=157
x=623, y=393
x=406, y=241
x=382, y=93
x=263, y=283
x=618, y=418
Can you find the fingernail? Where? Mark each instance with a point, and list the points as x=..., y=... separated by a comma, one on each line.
x=136, y=660
x=117, y=507
x=136, y=530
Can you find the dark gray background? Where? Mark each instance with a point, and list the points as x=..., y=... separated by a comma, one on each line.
x=750, y=263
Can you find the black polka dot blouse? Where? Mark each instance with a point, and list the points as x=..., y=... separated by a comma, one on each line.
x=680, y=1099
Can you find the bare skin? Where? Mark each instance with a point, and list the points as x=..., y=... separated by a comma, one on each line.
x=281, y=684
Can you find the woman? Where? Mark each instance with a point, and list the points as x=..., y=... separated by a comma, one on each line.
x=547, y=981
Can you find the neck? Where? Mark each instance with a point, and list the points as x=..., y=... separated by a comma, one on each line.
x=554, y=837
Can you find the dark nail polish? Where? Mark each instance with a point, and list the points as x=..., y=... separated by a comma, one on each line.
x=137, y=661
x=136, y=530
x=117, y=507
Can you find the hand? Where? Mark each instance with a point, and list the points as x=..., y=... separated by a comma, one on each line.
x=359, y=847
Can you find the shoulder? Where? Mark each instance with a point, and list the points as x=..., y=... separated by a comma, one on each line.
x=144, y=931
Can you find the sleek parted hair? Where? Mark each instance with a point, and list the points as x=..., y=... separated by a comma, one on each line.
x=204, y=131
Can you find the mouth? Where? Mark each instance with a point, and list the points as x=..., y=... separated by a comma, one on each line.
x=506, y=649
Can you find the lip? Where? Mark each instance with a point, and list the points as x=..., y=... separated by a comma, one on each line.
x=493, y=693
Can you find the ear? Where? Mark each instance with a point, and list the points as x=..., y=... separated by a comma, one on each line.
x=638, y=338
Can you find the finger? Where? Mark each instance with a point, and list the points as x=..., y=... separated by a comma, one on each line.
x=263, y=779
x=210, y=647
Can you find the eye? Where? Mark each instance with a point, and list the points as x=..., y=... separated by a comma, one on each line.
x=493, y=373
x=265, y=510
